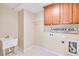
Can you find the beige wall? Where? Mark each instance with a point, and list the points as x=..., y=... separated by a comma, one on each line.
x=21, y=29
x=29, y=29
x=26, y=29
x=8, y=22
x=43, y=38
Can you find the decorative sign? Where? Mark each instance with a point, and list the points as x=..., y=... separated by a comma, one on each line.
x=63, y=29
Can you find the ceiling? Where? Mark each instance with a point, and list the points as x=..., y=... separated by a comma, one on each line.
x=32, y=7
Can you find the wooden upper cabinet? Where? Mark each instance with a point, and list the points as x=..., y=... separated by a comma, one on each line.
x=51, y=14
x=75, y=13
x=63, y=13
x=47, y=15
x=55, y=14
x=78, y=13
x=66, y=13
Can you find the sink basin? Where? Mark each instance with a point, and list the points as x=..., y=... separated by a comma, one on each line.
x=8, y=42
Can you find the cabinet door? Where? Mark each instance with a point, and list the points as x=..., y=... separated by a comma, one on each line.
x=55, y=14
x=78, y=12
x=75, y=13
x=75, y=19
x=47, y=16
x=66, y=13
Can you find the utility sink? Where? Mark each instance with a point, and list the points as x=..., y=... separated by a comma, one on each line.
x=8, y=42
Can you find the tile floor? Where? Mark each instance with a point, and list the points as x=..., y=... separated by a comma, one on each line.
x=34, y=51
